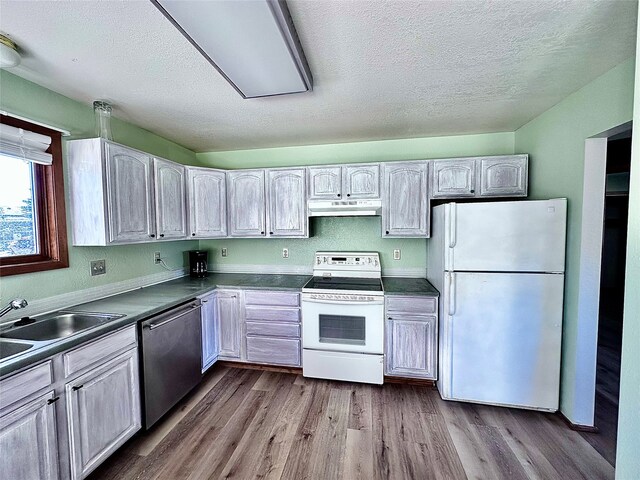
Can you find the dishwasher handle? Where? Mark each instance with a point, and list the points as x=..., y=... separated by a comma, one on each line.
x=174, y=316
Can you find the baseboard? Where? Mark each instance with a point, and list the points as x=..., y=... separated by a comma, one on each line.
x=66, y=300
x=259, y=366
x=410, y=381
x=304, y=270
x=576, y=426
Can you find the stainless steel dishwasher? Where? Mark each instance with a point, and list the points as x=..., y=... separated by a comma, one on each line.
x=171, y=358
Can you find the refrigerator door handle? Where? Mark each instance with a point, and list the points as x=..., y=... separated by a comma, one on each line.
x=452, y=226
x=452, y=294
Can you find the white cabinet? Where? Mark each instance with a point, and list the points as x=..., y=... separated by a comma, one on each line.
x=361, y=181
x=170, y=199
x=405, y=206
x=103, y=411
x=344, y=182
x=209, y=330
x=28, y=441
x=287, y=202
x=453, y=178
x=228, y=323
x=503, y=176
x=119, y=195
x=207, y=202
x=411, y=337
x=325, y=183
x=497, y=176
x=247, y=203
x=129, y=195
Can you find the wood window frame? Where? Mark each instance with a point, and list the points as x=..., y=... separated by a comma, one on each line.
x=49, y=207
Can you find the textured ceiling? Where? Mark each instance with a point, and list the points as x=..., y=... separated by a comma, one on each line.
x=382, y=69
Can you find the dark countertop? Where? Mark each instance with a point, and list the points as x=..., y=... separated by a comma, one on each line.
x=144, y=302
x=408, y=286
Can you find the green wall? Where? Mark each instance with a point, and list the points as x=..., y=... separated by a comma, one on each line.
x=25, y=98
x=343, y=233
x=627, y=462
x=555, y=141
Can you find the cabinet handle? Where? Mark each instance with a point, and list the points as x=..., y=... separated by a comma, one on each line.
x=205, y=301
x=389, y=318
x=193, y=234
x=387, y=232
x=261, y=233
x=152, y=235
x=348, y=194
x=52, y=400
x=162, y=234
x=76, y=388
x=338, y=194
x=472, y=191
x=270, y=233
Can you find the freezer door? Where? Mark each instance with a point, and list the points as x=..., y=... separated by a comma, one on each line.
x=500, y=339
x=524, y=236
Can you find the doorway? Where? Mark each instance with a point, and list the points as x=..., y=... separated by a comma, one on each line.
x=612, y=278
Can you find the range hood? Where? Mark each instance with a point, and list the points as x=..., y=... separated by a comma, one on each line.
x=344, y=208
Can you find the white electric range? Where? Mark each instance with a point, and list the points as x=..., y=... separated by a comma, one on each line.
x=343, y=318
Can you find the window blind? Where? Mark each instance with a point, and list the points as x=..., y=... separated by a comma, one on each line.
x=24, y=145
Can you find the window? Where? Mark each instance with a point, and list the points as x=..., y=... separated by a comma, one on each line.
x=33, y=234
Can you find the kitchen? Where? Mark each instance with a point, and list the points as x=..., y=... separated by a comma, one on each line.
x=602, y=101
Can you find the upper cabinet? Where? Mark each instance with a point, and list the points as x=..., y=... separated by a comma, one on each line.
x=207, y=194
x=344, y=182
x=325, y=183
x=453, y=178
x=361, y=181
x=405, y=206
x=120, y=195
x=499, y=176
x=247, y=203
x=287, y=206
x=171, y=206
x=503, y=176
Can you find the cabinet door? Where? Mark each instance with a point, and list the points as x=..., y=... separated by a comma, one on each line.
x=503, y=176
x=228, y=323
x=209, y=331
x=103, y=411
x=411, y=347
x=130, y=195
x=287, y=203
x=362, y=181
x=246, y=203
x=28, y=441
x=171, y=199
x=453, y=178
x=405, y=209
x=207, y=193
x=325, y=183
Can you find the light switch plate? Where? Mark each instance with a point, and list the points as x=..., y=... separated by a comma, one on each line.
x=396, y=254
x=98, y=267
x=224, y=251
x=285, y=253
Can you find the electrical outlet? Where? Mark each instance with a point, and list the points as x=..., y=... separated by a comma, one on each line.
x=224, y=251
x=156, y=257
x=98, y=267
x=396, y=254
x=285, y=253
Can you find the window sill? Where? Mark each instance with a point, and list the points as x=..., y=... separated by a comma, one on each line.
x=30, y=267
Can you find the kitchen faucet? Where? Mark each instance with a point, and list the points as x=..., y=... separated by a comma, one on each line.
x=14, y=304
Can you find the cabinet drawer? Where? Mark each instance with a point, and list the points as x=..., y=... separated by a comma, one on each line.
x=284, y=299
x=414, y=305
x=274, y=329
x=267, y=314
x=281, y=351
x=23, y=384
x=94, y=352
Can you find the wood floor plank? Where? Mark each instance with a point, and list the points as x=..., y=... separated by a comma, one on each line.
x=252, y=424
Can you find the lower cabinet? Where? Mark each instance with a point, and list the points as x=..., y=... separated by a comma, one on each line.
x=228, y=323
x=103, y=411
x=209, y=330
x=411, y=338
x=28, y=441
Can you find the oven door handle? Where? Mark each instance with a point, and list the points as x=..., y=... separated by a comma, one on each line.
x=344, y=302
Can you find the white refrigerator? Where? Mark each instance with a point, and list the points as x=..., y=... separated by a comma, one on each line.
x=500, y=269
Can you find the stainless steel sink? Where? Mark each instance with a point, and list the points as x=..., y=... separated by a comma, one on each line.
x=59, y=326
x=9, y=348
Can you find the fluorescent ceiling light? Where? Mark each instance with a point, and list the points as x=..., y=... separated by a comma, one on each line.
x=252, y=43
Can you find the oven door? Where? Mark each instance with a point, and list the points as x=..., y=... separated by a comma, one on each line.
x=343, y=325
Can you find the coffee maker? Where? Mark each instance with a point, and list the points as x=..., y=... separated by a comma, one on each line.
x=198, y=263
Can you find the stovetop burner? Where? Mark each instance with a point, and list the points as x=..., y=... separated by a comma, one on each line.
x=344, y=283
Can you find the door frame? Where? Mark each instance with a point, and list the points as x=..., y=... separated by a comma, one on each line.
x=592, y=231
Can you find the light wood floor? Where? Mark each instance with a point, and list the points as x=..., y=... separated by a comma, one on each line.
x=248, y=424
